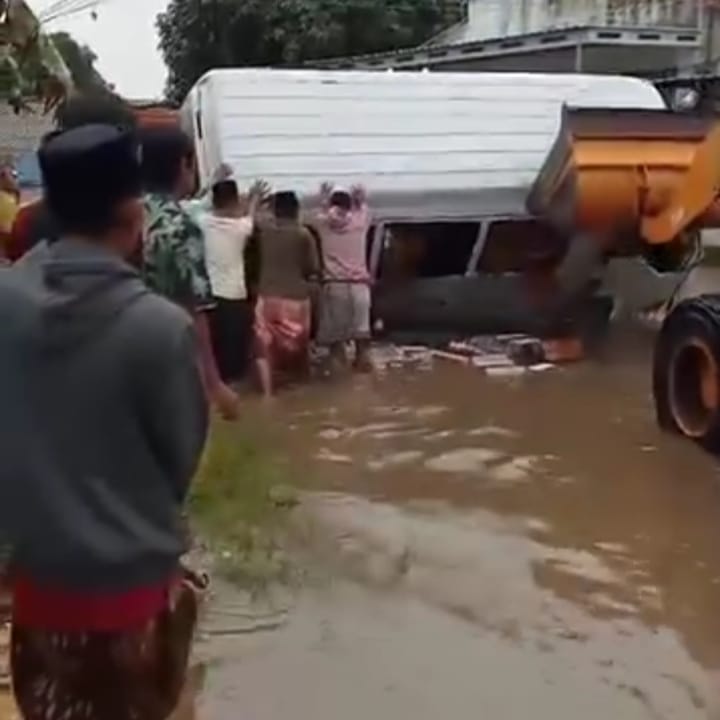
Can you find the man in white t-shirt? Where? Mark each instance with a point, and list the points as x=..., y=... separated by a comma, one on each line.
x=227, y=228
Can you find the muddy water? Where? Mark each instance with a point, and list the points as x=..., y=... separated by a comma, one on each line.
x=491, y=548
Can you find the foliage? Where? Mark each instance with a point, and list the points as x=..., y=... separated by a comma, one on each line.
x=197, y=35
x=25, y=76
x=30, y=64
x=80, y=60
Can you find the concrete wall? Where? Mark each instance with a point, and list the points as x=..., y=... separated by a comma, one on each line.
x=22, y=133
x=500, y=18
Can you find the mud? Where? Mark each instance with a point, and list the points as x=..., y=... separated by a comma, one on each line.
x=500, y=548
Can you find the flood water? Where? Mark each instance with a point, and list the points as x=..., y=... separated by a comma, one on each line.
x=495, y=548
x=473, y=547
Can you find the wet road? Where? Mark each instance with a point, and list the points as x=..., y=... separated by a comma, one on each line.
x=491, y=548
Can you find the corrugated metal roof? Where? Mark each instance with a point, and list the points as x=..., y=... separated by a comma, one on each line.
x=436, y=144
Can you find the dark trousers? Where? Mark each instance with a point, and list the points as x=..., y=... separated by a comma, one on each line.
x=231, y=330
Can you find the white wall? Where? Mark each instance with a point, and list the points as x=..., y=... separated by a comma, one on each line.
x=485, y=18
x=498, y=18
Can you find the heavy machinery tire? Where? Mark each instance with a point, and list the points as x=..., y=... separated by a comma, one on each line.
x=686, y=373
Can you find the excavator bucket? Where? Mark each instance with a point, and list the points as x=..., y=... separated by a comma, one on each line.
x=643, y=174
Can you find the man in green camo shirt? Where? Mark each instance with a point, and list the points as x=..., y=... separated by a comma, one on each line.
x=174, y=255
x=173, y=259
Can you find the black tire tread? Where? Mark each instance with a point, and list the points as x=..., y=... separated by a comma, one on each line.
x=696, y=317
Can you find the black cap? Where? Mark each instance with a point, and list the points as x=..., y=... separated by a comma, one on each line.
x=86, y=172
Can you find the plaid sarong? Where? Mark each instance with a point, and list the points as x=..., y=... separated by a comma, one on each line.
x=137, y=674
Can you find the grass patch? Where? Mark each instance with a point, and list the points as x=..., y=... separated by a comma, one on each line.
x=240, y=505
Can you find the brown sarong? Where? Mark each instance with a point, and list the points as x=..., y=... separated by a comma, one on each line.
x=133, y=675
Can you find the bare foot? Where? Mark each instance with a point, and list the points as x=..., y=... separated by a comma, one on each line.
x=227, y=402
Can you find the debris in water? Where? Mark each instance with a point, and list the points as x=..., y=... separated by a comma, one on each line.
x=486, y=353
x=566, y=350
x=397, y=357
x=528, y=351
x=454, y=357
x=490, y=361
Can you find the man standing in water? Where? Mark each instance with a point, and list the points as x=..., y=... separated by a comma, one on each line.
x=174, y=262
x=228, y=226
x=343, y=224
x=102, y=424
x=288, y=265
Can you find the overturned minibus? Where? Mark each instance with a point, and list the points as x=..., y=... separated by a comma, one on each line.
x=448, y=160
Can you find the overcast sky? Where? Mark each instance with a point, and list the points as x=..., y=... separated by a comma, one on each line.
x=125, y=41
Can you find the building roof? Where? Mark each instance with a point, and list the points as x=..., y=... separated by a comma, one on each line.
x=447, y=54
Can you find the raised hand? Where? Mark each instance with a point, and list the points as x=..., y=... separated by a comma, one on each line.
x=260, y=189
x=358, y=194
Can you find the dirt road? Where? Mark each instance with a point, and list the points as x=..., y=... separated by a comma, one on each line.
x=500, y=549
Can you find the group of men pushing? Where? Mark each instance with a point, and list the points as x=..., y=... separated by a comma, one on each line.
x=109, y=330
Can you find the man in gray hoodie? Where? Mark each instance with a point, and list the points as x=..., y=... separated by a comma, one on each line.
x=102, y=422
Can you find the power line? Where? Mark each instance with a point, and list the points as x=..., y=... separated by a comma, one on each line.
x=51, y=7
x=68, y=9
x=55, y=7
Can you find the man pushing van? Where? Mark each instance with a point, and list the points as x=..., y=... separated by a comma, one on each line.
x=342, y=224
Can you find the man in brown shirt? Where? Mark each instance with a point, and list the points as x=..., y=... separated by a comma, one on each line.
x=288, y=264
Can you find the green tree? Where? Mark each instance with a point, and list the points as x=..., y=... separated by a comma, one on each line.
x=80, y=60
x=197, y=35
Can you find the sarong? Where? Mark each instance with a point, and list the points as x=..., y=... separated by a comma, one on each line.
x=137, y=674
